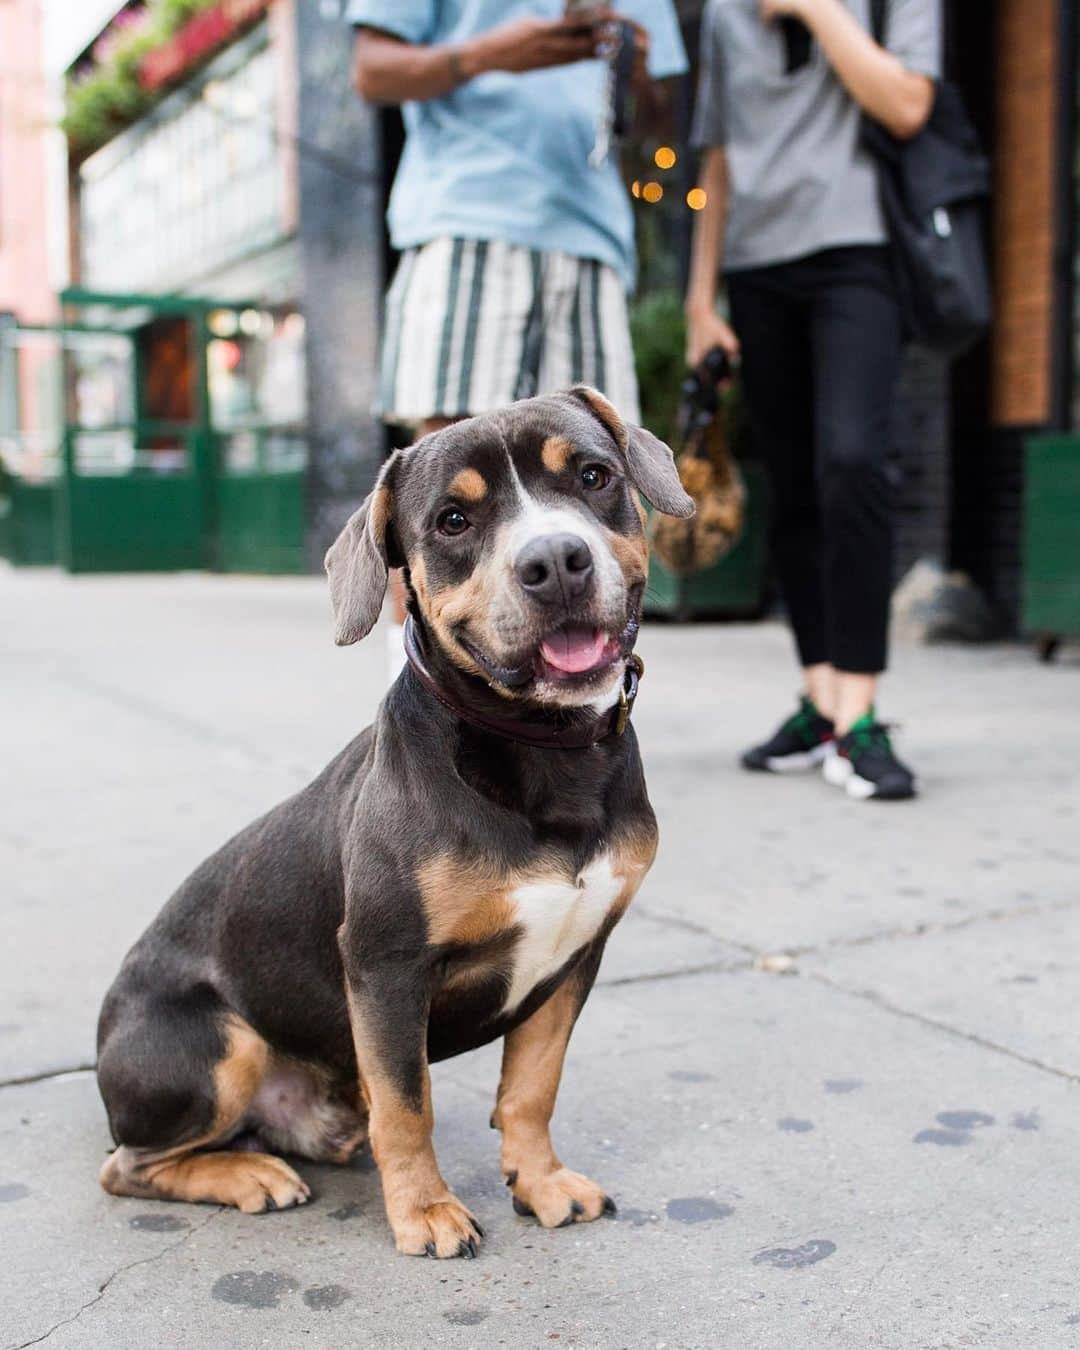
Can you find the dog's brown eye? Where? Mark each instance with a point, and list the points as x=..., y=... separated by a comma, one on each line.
x=452, y=521
x=594, y=476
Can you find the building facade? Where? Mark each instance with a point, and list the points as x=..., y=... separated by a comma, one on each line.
x=252, y=183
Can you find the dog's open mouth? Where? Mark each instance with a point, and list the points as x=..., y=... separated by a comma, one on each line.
x=575, y=651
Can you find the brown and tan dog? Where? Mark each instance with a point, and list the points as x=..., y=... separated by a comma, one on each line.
x=450, y=878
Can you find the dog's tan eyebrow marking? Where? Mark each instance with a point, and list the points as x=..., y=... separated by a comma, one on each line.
x=556, y=452
x=469, y=485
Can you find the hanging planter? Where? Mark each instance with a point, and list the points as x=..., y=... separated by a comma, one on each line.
x=141, y=55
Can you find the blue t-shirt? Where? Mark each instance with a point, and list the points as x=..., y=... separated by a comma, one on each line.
x=506, y=156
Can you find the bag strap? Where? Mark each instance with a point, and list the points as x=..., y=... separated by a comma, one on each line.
x=879, y=20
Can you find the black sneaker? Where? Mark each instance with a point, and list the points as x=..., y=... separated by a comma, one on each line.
x=862, y=762
x=801, y=743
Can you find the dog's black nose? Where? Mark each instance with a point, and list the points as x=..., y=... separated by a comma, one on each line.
x=555, y=567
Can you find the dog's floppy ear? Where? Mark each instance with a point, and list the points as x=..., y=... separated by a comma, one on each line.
x=649, y=460
x=358, y=562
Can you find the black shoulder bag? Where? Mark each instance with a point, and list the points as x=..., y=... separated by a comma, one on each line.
x=934, y=189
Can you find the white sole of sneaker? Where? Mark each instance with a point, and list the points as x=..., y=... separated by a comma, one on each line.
x=840, y=772
x=797, y=763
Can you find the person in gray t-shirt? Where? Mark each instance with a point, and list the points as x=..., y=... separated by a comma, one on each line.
x=791, y=213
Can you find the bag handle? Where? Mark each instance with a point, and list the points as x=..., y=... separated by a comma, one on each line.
x=879, y=20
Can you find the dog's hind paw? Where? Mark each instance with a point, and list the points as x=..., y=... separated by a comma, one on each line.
x=443, y=1229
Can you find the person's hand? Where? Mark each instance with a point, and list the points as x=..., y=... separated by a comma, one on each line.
x=536, y=44
x=705, y=330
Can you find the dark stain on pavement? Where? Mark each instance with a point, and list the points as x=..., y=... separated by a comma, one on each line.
x=690, y=1076
x=157, y=1223
x=467, y=1317
x=946, y=1138
x=839, y=1086
x=697, y=1209
x=253, y=1288
x=795, y=1258
x=793, y=1125
x=1025, y=1120
x=326, y=1297
x=963, y=1120
x=13, y=1190
x=349, y=1211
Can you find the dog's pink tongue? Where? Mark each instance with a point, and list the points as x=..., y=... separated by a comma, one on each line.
x=574, y=649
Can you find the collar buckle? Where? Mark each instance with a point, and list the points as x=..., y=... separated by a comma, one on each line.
x=635, y=668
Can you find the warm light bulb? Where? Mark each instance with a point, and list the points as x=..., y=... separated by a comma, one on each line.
x=652, y=192
x=665, y=157
x=697, y=199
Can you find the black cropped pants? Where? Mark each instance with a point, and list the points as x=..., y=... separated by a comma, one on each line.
x=821, y=344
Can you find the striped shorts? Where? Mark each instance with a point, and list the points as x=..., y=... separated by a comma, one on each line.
x=472, y=325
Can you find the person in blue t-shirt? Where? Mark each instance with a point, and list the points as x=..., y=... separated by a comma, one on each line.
x=516, y=237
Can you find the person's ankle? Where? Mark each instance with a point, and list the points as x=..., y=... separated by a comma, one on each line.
x=852, y=718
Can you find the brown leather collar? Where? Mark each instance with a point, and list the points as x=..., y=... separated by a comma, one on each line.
x=549, y=735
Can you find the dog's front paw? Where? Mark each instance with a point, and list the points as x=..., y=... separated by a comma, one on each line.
x=444, y=1228
x=558, y=1197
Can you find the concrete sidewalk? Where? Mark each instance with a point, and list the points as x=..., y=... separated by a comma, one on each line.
x=879, y=1149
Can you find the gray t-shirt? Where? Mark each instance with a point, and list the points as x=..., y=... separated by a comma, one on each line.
x=798, y=180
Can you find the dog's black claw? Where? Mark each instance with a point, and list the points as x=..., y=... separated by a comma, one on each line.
x=521, y=1208
x=271, y=1203
x=576, y=1207
x=511, y=1178
x=610, y=1206
x=479, y=1230
x=467, y=1250
x=429, y=1249
x=568, y=1221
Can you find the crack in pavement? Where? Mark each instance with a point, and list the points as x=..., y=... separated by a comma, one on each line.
x=929, y=927
x=708, y=968
x=121, y=1270
x=973, y=1038
x=46, y=1075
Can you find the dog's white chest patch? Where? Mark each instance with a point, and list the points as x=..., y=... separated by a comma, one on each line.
x=557, y=917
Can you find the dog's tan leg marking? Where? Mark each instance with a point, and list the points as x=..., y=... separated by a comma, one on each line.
x=533, y=1055
x=426, y=1217
x=252, y=1182
x=532, y=1063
